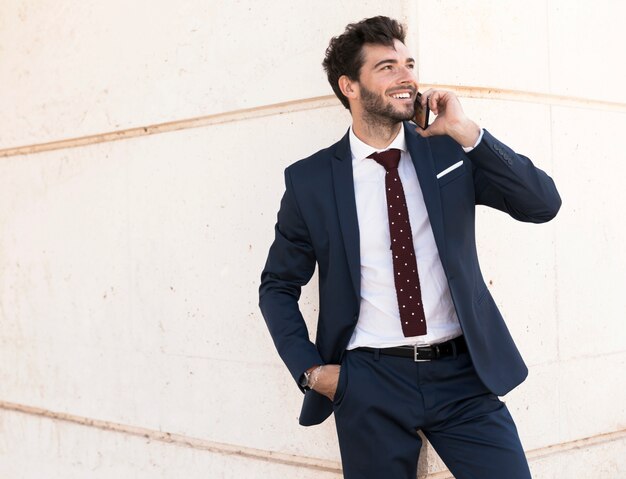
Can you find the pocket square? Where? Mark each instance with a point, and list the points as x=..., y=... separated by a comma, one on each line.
x=449, y=169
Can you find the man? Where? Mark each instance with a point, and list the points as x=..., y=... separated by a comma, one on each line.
x=408, y=336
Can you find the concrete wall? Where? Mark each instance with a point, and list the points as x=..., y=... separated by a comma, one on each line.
x=141, y=154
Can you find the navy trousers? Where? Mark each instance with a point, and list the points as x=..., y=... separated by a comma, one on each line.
x=382, y=401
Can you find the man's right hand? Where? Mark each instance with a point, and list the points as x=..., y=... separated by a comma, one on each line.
x=327, y=379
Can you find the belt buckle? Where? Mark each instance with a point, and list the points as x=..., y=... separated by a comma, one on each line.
x=415, y=354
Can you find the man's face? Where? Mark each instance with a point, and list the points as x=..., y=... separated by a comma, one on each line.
x=387, y=83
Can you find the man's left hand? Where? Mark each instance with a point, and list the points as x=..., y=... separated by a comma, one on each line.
x=451, y=119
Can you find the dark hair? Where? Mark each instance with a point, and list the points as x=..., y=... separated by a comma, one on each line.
x=344, y=55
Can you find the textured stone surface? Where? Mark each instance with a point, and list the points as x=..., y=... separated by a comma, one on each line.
x=129, y=270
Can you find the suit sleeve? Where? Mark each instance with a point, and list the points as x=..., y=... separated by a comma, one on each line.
x=511, y=183
x=290, y=265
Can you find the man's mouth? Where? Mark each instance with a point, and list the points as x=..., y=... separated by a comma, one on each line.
x=401, y=96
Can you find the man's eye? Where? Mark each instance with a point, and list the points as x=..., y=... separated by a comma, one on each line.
x=411, y=66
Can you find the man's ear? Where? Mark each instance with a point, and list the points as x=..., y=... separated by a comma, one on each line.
x=349, y=88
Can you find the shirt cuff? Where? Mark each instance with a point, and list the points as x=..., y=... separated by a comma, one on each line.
x=467, y=149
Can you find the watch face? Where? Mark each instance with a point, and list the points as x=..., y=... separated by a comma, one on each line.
x=304, y=380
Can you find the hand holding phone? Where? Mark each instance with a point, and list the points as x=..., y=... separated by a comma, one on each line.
x=450, y=119
x=422, y=113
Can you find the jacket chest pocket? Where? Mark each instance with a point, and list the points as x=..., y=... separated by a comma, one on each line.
x=451, y=173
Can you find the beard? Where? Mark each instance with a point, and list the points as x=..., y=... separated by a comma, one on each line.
x=380, y=111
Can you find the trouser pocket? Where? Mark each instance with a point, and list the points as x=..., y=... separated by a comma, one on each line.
x=342, y=382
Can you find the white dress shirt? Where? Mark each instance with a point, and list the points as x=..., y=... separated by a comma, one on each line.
x=378, y=325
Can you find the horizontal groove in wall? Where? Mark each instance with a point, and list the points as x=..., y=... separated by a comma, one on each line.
x=272, y=456
x=302, y=105
x=186, y=124
x=179, y=440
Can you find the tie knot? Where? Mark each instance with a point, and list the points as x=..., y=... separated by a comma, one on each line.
x=389, y=159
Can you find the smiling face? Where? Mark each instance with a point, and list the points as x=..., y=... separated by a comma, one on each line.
x=387, y=85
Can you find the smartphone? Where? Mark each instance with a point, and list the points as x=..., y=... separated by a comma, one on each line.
x=421, y=114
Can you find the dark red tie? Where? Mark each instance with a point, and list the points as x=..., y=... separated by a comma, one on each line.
x=404, y=262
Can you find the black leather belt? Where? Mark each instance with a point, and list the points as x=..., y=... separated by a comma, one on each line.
x=423, y=353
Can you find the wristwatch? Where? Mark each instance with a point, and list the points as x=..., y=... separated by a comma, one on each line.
x=304, y=380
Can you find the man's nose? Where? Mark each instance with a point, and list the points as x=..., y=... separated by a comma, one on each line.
x=407, y=76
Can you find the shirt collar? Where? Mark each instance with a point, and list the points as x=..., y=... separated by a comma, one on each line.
x=361, y=150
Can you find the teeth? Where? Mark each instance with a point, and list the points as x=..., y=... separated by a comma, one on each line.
x=402, y=95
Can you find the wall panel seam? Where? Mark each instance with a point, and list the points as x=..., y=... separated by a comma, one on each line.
x=178, y=439
x=479, y=92
x=267, y=455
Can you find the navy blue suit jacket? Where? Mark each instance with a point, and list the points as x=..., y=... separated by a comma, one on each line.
x=317, y=224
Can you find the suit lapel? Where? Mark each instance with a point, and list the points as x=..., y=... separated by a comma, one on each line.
x=422, y=157
x=343, y=184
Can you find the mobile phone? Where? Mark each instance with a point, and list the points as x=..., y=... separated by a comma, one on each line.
x=421, y=114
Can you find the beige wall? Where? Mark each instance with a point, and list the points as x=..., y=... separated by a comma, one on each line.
x=141, y=154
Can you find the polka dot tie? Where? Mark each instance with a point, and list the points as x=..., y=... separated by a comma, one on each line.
x=404, y=262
